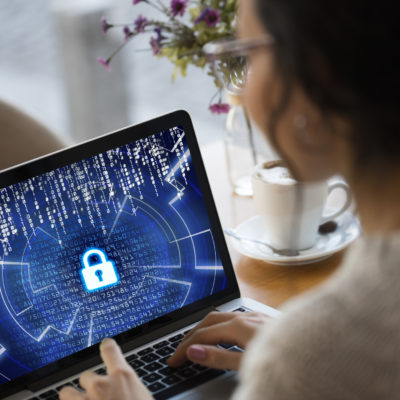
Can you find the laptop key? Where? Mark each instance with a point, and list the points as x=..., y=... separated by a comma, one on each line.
x=199, y=367
x=167, y=371
x=172, y=380
x=58, y=388
x=101, y=371
x=186, y=332
x=175, y=344
x=187, y=363
x=141, y=372
x=149, y=358
x=136, y=364
x=154, y=366
x=176, y=337
x=187, y=372
x=225, y=345
x=188, y=384
x=161, y=344
x=132, y=357
x=152, y=377
x=156, y=387
x=164, y=360
x=145, y=351
x=165, y=351
x=48, y=395
x=77, y=384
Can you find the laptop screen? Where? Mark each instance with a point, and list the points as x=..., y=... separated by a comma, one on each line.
x=101, y=246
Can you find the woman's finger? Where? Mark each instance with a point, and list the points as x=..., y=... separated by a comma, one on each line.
x=93, y=383
x=112, y=356
x=235, y=331
x=214, y=357
x=212, y=318
x=70, y=393
x=216, y=317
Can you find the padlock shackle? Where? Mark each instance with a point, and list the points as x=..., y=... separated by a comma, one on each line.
x=92, y=252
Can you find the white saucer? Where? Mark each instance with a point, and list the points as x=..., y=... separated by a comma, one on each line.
x=326, y=245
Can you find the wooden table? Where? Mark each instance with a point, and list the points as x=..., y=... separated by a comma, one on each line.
x=267, y=283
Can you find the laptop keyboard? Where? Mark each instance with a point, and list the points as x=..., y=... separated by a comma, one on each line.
x=150, y=365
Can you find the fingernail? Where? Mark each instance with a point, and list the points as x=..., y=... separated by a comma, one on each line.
x=196, y=352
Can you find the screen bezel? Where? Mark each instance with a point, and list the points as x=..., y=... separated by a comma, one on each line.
x=99, y=145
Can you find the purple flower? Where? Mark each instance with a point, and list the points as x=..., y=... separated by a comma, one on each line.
x=210, y=16
x=104, y=63
x=155, y=42
x=202, y=15
x=136, y=1
x=155, y=45
x=140, y=23
x=219, y=108
x=127, y=32
x=157, y=30
x=178, y=7
x=105, y=26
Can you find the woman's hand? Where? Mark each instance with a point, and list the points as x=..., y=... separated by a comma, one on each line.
x=121, y=383
x=199, y=345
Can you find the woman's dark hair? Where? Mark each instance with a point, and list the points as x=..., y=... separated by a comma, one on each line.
x=343, y=54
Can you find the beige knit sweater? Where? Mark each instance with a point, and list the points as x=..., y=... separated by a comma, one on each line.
x=340, y=341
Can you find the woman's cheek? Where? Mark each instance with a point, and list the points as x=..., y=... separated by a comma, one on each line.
x=254, y=104
x=258, y=97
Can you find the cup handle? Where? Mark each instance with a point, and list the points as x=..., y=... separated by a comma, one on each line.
x=349, y=199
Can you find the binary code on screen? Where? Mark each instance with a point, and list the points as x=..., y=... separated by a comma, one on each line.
x=141, y=205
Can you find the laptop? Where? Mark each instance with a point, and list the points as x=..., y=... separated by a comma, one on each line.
x=116, y=237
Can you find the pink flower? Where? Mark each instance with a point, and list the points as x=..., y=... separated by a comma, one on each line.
x=219, y=108
x=178, y=7
x=127, y=32
x=155, y=45
x=104, y=63
x=155, y=42
x=105, y=26
x=140, y=23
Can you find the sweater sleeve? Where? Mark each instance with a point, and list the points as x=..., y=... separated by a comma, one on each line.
x=311, y=354
x=339, y=341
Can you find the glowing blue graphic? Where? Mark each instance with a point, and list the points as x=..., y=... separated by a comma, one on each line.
x=142, y=206
x=100, y=275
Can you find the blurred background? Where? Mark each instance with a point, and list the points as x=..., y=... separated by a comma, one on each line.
x=48, y=68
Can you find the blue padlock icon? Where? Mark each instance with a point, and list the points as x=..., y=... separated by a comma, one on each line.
x=100, y=275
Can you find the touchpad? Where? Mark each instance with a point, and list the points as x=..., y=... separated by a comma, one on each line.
x=217, y=389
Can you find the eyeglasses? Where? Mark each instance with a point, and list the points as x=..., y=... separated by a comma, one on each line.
x=229, y=60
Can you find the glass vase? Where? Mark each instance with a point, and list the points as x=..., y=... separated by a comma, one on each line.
x=240, y=147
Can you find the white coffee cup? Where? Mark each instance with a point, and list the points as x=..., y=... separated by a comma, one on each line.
x=292, y=211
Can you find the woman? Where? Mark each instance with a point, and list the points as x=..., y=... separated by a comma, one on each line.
x=326, y=91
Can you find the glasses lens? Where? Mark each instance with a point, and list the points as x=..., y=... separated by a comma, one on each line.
x=230, y=64
x=231, y=72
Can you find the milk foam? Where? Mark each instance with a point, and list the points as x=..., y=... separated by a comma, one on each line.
x=278, y=175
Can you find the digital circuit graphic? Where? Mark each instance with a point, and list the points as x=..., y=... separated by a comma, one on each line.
x=142, y=206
